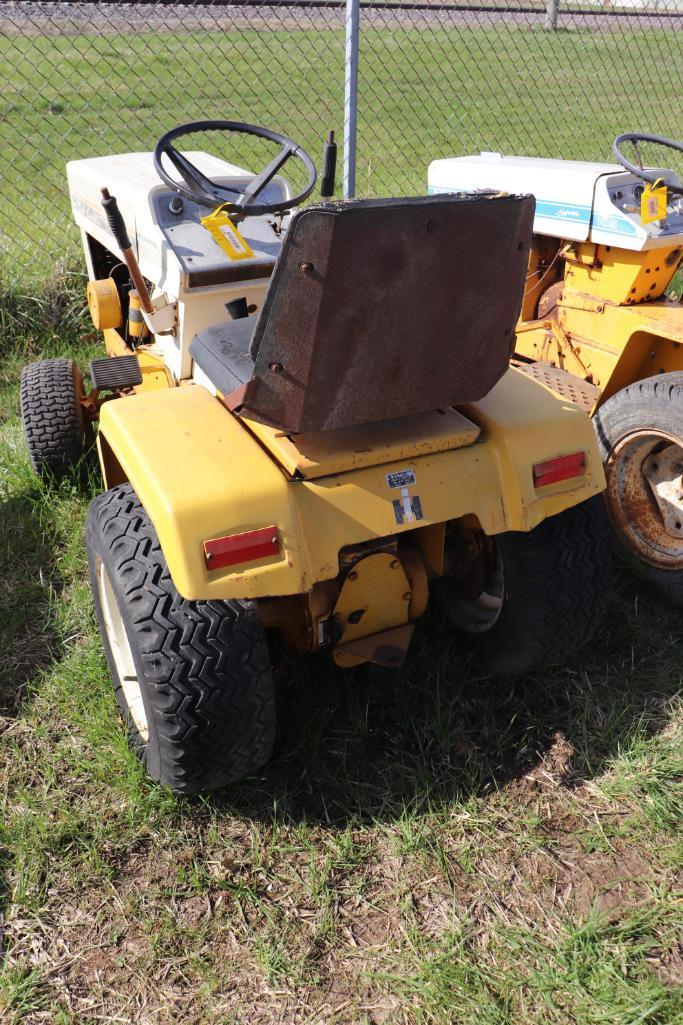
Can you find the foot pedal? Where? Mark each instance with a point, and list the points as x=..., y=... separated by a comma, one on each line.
x=113, y=372
x=581, y=393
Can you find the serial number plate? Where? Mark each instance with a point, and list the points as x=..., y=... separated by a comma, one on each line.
x=400, y=479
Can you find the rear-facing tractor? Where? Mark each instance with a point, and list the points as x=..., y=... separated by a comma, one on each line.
x=307, y=426
x=596, y=325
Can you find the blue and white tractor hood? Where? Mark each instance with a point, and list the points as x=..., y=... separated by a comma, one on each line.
x=575, y=200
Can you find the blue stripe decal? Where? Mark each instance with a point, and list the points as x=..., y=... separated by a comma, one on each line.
x=615, y=224
x=575, y=213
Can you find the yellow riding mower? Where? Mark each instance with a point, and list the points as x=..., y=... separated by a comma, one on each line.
x=597, y=328
x=306, y=426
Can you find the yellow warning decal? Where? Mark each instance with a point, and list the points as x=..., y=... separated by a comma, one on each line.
x=224, y=232
x=653, y=203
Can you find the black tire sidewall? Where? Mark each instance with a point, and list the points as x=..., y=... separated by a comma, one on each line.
x=652, y=404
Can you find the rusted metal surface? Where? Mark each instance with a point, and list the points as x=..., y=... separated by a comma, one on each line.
x=416, y=571
x=547, y=304
x=580, y=393
x=388, y=648
x=387, y=308
x=644, y=496
x=664, y=473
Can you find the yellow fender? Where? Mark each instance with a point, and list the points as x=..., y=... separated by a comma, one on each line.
x=201, y=474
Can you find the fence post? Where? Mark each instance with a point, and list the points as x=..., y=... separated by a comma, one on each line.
x=351, y=97
x=552, y=11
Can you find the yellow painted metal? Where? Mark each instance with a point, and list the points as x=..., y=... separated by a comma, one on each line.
x=613, y=275
x=155, y=373
x=610, y=325
x=415, y=569
x=137, y=328
x=388, y=648
x=541, y=273
x=375, y=596
x=104, y=304
x=611, y=347
x=318, y=455
x=200, y=474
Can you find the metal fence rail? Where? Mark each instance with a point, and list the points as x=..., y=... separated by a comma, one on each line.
x=433, y=79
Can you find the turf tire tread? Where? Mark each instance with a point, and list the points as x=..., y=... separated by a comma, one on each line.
x=51, y=416
x=204, y=665
x=556, y=581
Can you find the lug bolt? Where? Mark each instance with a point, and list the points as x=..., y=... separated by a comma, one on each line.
x=306, y=268
x=276, y=368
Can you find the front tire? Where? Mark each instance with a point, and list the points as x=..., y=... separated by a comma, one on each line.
x=52, y=416
x=640, y=434
x=538, y=596
x=192, y=678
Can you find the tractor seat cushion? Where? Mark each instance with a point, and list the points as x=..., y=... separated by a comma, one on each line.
x=222, y=352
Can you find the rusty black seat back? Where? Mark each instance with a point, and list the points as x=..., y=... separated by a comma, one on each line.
x=385, y=308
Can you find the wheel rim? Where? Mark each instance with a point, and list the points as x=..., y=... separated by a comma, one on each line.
x=645, y=496
x=121, y=652
x=477, y=613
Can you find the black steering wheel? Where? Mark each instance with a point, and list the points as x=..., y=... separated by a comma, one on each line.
x=206, y=192
x=635, y=138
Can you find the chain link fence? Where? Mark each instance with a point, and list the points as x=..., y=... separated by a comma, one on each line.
x=434, y=79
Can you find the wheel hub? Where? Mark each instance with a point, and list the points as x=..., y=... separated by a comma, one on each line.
x=476, y=599
x=645, y=496
x=664, y=474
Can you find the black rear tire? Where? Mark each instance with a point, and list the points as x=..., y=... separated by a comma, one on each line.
x=203, y=714
x=52, y=416
x=552, y=587
x=644, y=417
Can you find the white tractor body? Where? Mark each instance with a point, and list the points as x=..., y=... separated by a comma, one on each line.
x=575, y=200
x=177, y=255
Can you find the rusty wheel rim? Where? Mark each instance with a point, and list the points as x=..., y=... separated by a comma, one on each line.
x=644, y=496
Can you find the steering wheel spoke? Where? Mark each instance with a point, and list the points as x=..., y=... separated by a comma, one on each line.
x=201, y=189
x=191, y=175
x=258, y=184
x=647, y=176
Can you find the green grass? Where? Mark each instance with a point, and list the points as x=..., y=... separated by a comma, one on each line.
x=427, y=846
x=425, y=93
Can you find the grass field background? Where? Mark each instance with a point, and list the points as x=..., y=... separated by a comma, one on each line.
x=428, y=846
x=423, y=94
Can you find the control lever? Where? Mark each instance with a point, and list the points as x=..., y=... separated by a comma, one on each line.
x=329, y=169
x=120, y=233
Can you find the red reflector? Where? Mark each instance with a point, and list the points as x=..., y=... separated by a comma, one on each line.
x=562, y=468
x=235, y=548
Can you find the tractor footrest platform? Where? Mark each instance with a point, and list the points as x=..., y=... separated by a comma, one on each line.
x=581, y=393
x=112, y=373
